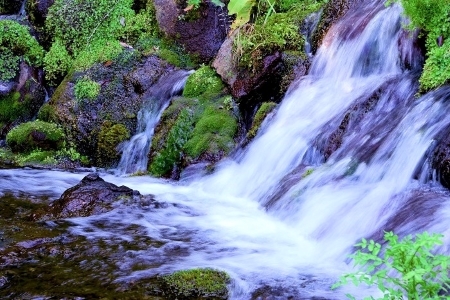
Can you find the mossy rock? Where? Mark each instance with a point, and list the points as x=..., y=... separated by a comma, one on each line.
x=213, y=134
x=260, y=115
x=35, y=135
x=109, y=137
x=170, y=156
x=203, y=82
x=200, y=283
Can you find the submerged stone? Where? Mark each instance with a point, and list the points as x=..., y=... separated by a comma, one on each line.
x=92, y=196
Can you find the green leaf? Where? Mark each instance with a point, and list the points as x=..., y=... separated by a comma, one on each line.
x=242, y=9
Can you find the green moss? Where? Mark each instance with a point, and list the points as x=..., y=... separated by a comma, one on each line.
x=170, y=56
x=35, y=135
x=109, y=137
x=85, y=88
x=47, y=113
x=86, y=32
x=165, y=160
x=272, y=32
x=36, y=156
x=57, y=62
x=196, y=283
x=204, y=82
x=15, y=43
x=260, y=115
x=213, y=134
x=11, y=108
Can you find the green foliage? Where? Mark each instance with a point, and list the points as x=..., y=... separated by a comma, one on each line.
x=35, y=135
x=432, y=16
x=85, y=88
x=408, y=267
x=213, y=133
x=204, y=81
x=196, y=283
x=109, y=137
x=242, y=9
x=15, y=43
x=259, y=117
x=177, y=137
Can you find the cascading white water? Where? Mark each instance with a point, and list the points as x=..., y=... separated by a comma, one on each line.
x=240, y=220
x=135, y=151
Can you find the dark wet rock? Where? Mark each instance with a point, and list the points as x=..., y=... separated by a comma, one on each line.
x=310, y=288
x=91, y=196
x=440, y=161
x=37, y=11
x=124, y=85
x=268, y=82
x=10, y=7
x=201, y=31
x=331, y=13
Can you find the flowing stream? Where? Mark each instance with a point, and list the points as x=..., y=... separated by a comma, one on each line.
x=286, y=211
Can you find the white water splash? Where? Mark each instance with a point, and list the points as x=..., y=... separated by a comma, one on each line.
x=135, y=151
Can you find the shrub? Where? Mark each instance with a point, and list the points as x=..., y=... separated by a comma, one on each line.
x=196, y=283
x=203, y=81
x=85, y=88
x=35, y=135
x=407, y=267
x=16, y=42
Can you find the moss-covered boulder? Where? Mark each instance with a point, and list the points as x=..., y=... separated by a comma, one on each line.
x=109, y=137
x=201, y=126
x=35, y=135
x=198, y=283
x=114, y=94
x=262, y=112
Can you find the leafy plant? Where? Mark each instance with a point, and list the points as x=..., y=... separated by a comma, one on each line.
x=407, y=268
x=242, y=9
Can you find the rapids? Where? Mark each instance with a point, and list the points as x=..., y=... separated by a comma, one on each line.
x=262, y=216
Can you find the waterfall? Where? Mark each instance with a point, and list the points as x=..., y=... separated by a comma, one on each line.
x=344, y=157
x=135, y=151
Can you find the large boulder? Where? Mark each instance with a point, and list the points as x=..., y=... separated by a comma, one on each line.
x=200, y=30
x=121, y=85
